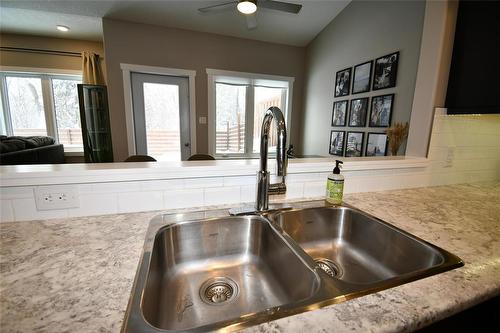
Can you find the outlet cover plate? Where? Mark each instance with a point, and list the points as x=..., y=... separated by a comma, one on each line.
x=56, y=197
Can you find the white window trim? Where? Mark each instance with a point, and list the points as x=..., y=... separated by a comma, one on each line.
x=212, y=73
x=127, y=69
x=47, y=96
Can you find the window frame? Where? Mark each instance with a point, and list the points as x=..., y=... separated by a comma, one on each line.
x=251, y=80
x=46, y=76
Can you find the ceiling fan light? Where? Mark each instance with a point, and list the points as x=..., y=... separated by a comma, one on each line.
x=247, y=7
x=62, y=28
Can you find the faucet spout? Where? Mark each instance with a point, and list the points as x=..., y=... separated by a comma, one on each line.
x=264, y=188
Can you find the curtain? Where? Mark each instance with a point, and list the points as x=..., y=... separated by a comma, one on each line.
x=91, y=67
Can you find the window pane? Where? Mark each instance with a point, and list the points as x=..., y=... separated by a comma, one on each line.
x=67, y=111
x=264, y=99
x=161, y=106
x=230, y=103
x=3, y=128
x=26, y=106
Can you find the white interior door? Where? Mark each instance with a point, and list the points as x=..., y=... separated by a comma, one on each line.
x=161, y=116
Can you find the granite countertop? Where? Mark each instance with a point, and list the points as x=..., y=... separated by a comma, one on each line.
x=75, y=275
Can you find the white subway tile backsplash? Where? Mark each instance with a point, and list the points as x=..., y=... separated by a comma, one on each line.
x=116, y=187
x=222, y=195
x=96, y=204
x=6, y=212
x=350, y=184
x=187, y=198
x=17, y=192
x=488, y=140
x=203, y=182
x=314, y=189
x=162, y=185
x=294, y=190
x=248, y=193
x=302, y=177
x=25, y=210
x=140, y=201
x=85, y=188
x=483, y=175
x=240, y=180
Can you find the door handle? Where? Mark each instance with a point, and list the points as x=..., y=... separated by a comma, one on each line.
x=187, y=144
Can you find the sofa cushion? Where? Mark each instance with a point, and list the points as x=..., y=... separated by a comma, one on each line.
x=15, y=143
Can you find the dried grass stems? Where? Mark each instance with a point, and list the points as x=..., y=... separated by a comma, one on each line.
x=397, y=133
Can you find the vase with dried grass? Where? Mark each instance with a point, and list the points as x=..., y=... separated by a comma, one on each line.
x=396, y=134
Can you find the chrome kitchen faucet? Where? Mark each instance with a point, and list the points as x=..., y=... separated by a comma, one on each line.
x=264, y=188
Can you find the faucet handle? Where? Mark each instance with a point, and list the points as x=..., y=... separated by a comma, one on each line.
x=278, y=188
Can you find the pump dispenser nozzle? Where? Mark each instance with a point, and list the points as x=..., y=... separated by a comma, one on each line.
x=336, y=170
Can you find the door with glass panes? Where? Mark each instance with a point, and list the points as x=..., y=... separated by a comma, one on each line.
x=161, y=116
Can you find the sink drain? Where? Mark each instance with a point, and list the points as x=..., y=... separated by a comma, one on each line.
x=329, y=267
x=218, y=291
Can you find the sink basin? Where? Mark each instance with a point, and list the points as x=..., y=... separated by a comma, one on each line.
x=216, y=270
x=357, y=248
x=233, y=272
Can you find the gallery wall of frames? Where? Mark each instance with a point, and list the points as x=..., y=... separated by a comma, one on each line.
x=369, y=115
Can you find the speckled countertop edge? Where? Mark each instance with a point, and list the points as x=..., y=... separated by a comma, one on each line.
x=75, y=274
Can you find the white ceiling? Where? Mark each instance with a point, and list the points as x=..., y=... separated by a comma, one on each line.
x=83, y=17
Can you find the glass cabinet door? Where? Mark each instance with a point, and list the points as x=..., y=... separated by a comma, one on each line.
x=96, y=126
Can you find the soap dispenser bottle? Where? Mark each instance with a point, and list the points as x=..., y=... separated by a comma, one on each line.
x=335, y=185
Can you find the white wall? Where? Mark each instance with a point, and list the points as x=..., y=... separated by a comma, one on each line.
x=462, y=149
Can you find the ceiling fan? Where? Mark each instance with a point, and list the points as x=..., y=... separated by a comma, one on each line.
x=249, y=8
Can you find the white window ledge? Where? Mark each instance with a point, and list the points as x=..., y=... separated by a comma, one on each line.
x=49, y=174
x=73, y=151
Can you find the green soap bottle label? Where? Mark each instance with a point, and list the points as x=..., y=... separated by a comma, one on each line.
x=334, y=191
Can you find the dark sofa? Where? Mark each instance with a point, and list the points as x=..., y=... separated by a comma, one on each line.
x=30, y=150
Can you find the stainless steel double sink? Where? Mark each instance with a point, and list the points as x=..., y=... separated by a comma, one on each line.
x=233, y=272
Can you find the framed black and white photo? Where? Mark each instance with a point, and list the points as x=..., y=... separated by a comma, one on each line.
x=376, y=145
x=339, y=114
x=354, y=144
x=342, y=82
x=361, y=77
x=337, y=143
x=386, y=71
x=381, y=110
x=359, y=111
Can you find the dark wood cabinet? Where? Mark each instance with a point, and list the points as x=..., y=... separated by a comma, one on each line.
x=96, y=127
x=474, y=82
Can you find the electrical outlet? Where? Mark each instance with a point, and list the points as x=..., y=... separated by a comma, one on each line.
x=450, y=156
x=56, y=197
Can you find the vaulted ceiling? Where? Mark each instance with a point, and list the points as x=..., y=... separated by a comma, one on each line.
x=84, y=18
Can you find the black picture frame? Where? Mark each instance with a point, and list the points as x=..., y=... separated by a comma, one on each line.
x=337, y=139
x=381, y=110
x=386, y=71
x=354, y=148
x=358, y=112
x=342, y=82
x=361, y=83
x=378, y=140
x=339, y=113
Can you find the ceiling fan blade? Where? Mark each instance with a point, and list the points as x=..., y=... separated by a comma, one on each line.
x=216, y=7
x=282, y=6
x=251, y=21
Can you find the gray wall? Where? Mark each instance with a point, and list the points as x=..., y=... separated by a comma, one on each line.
x=143, y=44
x=363, y=31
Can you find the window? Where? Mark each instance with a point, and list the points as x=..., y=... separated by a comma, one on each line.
x=230, y=106
x=237, y=105
x=35, y=104
x=161, y=113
